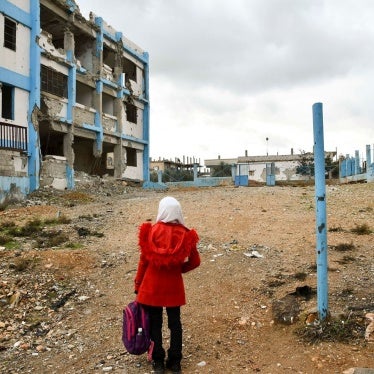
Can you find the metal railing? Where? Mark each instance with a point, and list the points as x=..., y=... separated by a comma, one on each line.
x=13, y=137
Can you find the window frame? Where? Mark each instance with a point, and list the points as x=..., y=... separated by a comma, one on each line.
x=131, y=157
x=53, y=82
x=10, y=33
x=131, y=113
x=7, y=102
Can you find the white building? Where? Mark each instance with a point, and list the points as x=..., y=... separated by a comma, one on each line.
x=258, y=168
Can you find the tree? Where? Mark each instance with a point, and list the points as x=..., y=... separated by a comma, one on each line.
x=306, y=165
x=222, y=170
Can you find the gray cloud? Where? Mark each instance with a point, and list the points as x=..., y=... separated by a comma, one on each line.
x=257, y=64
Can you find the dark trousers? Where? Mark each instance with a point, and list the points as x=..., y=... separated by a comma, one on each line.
x=175, y=327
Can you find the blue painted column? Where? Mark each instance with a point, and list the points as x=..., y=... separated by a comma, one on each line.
x=357, y=163
x=233, y=172
x=98, y=147
x=146, y=122
x=321, y=225
x=369, y=165
x=72, y=79
x=34, y=98
x=368, y=157
x=195, y=172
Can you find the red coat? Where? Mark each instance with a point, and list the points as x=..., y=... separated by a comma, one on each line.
x=166, y=251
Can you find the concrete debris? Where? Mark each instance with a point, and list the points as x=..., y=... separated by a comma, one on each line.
x=253, y=254
x=369, y=333
x=359, y=371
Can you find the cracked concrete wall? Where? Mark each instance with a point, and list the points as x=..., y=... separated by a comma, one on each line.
x=55, y=108
x=284, y=171
x=68, y=150
x=13, y=164
x=53, y=172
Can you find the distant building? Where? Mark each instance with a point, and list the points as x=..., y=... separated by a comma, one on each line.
x=255, y=167
x=187, y=163
x=74, y=98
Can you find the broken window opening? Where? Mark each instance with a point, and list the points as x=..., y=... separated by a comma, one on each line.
x=7, y=102
x=131, y=157
x=108, y=104
x=129, y=68
x=84, y=49
x=54, y=82
x=51, y=142
x=84, y=94
x=86, y=162
x=131, y=113
x=53, y=25
x=10, y=33
x=108, y=57
x=108, y=156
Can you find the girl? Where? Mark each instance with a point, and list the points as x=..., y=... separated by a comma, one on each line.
x=167, y=250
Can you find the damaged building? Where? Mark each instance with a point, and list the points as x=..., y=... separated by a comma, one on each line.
x=74, y=98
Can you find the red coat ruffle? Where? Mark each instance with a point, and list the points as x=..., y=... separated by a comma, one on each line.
x=167, y=251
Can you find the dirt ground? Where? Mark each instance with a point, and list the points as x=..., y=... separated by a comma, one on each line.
x=61, y=302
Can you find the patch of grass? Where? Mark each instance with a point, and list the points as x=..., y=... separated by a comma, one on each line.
x=6, y=225
x=72, y=245
x=77, y=197
x=62, y=219
x=11, y=245
x=34, y=229
x=4, y=239
x=97, y=234
x=313, y=267
x=87, y=217
x=346, y=292
x=346, y=260
x=22, y=264
x=276, y=283
x=82, y=231
x=336, y=229
x=3, y=206
x=343, y=329
x=344, y=247
x=368, y=209
x=51, y=239
x=31, y=227
x=300, y=276
x=363, y=229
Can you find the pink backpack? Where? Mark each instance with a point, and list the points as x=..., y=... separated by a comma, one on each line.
x=135, y=329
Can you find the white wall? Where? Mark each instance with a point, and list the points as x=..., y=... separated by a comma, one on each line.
x=18, y=60
x=135, y=172
x=284, y=171
x=54, y=65
x=135, y=129
x=23, y=4
x=21, y=105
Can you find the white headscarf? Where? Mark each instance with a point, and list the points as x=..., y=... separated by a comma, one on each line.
x=169, y=210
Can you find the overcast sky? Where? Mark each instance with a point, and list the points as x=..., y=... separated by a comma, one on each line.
x=226, y=75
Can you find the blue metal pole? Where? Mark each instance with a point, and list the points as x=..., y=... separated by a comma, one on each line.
x=34, y=97
x=368, y=158
x=321, y=226
x=357, y=162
